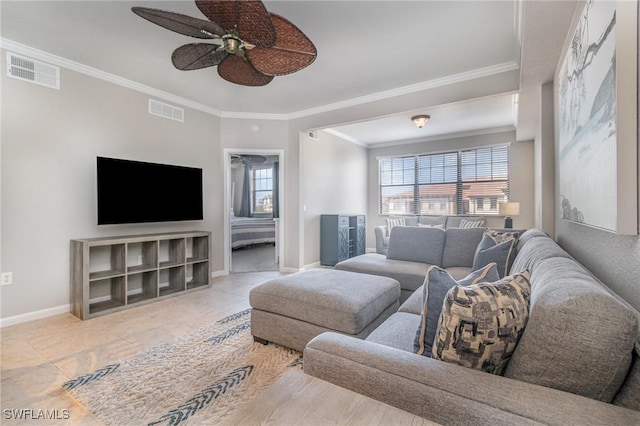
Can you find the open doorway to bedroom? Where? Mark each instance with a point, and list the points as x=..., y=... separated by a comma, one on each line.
x=254, y=203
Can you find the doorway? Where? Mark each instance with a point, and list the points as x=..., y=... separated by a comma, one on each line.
x=253, y=200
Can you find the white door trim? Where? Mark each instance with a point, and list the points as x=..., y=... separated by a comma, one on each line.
x=226, y=158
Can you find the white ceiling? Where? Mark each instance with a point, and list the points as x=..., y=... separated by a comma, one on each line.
x=365, y=48
x=490, y=113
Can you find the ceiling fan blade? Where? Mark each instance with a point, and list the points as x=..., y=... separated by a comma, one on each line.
x=249, y=17
x=292, y=52
x=236, y=70
x=183, y=24
x=195, y=56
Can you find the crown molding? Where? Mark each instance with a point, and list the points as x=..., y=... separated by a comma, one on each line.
x=253, y=115
x=22, y=49
x=425, y=85
x=345, y=137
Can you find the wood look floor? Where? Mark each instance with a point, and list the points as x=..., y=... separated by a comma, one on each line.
x=39, y=356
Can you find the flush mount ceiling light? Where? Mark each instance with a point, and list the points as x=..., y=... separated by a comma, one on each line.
x=420, y=120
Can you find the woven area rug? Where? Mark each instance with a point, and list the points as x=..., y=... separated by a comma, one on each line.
x=199, y=378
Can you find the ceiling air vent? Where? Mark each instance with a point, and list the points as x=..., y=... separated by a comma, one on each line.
x=313, y=134
x=27, y=69
x=165, y=110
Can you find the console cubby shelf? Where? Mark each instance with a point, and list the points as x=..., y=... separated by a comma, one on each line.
x=113, y=273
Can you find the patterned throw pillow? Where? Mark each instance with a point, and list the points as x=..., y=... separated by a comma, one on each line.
x=481, y=324
x=498, y=247
x=391, y=222
x=436, y=285
x=466, y=223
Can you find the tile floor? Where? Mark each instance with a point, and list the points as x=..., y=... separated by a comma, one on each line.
x=39, y=356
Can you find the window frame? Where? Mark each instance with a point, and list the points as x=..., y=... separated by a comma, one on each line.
x=487, y=174
x=254, y=191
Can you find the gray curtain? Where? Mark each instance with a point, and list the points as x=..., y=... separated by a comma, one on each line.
x=276, y=192
x=245, y=206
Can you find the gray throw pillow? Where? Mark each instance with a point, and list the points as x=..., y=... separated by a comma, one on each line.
x=436, y=285
x=498, y=249
x=424, y=245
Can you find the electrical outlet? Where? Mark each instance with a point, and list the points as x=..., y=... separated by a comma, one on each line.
x=7, y=278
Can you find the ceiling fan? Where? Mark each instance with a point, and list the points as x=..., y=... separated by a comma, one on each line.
x=251, y=44
x=248, y=159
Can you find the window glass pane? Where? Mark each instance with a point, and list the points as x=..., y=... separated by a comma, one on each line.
x=474, y=196
x=396, y=199
x=501, y=170
x=469, y=172
x=437, y=199
x=467, y=182
x=483, y=171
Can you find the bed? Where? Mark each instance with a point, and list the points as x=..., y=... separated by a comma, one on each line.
x=252, y=230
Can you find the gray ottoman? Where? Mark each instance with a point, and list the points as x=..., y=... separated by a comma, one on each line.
x=293, y=309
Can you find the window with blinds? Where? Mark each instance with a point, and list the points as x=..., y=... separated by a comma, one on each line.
x=452, y=183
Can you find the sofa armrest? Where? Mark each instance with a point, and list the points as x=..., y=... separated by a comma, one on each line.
x=447, y=393
x=381, y=239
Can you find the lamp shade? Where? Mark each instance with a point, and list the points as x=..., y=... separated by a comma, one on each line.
x=509, y=209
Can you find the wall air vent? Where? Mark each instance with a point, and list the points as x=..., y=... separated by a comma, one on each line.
x=314, y=134
x=37, y=72
x=165, y=110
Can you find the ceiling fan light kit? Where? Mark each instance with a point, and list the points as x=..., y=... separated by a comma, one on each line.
x=420, y=120
x=250, y=45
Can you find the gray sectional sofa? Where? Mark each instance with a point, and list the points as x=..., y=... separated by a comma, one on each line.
x=445, y=222
x=577, y=362
x=412, y=250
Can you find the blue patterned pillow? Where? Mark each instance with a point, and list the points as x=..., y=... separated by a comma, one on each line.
x=496, y=247
x=436, y=285
x=481, y=324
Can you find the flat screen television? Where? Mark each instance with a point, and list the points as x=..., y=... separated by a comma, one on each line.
x=137, y=192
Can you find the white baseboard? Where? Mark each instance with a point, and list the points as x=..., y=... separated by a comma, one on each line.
x=312, y=265
x=218, y=273
x=371, y=250
x=289, y=269
x=30, y=316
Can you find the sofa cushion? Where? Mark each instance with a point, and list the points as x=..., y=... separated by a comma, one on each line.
x=409, y=274
x=460, y=246
x=481, y=324
x=397, y=331
x=535, y=250
x=495, y=249
x=438, y=221
x=422, y=225
x=413, y=305
x=629, y=394
x=436, y=285
x=393, y=222
x=580, y=338
x=423, y=245
x=528, y=234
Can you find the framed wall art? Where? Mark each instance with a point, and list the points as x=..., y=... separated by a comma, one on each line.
x=596, y=104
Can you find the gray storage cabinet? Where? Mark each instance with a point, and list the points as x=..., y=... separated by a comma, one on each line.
x=341, y=237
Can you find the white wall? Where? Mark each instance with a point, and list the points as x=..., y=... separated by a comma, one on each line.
x=521, y=174
x=50, y=140
x=333, y=180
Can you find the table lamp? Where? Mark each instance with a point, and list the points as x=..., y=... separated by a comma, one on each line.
x=509, y=209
